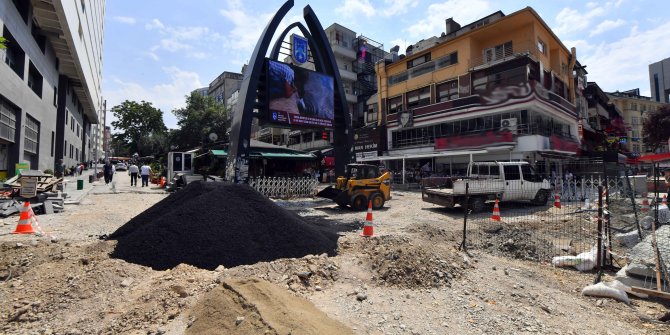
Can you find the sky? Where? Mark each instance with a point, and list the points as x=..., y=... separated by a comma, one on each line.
x=160, y=50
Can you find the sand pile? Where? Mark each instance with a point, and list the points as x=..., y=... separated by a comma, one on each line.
x=212, y=224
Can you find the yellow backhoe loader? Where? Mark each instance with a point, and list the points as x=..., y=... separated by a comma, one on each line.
x=362, y=183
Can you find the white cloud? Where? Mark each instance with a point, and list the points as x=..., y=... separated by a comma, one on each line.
x=172, y=45
x=571, y=20
x=463, y=12
x=166, y=96
x=583, y=47
x=198, y=55
x=124, y=19
x=154, y=24
x=623, y=64
x=356, y=8
x=152, y=55
x=607, y=25
x=247, y=26
x=396, y=7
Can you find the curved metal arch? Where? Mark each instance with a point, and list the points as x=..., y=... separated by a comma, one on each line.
x=318, y=61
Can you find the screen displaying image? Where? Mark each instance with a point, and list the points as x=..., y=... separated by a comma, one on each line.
x=299, y=96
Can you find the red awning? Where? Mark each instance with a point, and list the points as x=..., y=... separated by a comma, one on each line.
x=655, y=157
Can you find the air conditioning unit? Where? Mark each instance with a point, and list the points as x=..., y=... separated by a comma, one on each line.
x=508, y=125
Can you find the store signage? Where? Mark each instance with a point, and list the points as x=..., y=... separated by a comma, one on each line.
x=474, y=141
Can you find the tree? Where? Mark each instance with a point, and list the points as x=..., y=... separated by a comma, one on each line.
x=3, y=43
x=201, y=117
x=136, y=122
x=656, y=128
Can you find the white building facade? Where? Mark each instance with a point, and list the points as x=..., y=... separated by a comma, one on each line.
x=51, y=106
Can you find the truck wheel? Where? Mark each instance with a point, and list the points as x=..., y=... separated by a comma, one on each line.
x=541, y=198
x=377, y=200
x=476, y=204
x=359, y=202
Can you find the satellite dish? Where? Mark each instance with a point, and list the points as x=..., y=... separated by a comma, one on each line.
x=213, y=137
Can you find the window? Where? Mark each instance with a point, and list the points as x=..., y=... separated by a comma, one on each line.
x=498, y=52
x=32, y=130
x=417, y=98
x=371, y=115
x=23, y=7
x=447, y=91
x=541, y=47
x=53, y=142
x=633, y=106
x=395, y=105
x=77, y=131
x=65, y=150
x=7, y=121
x=511, y=172
x=83, y=6
x=76, y=155
x=635, y=121
x=35, y=80
x=418, y=61
x=55, y=96
x=14, y=55
x=398, y=78
x=67, y=115
x=635, y=134
x=71, y=151
x=447, y=60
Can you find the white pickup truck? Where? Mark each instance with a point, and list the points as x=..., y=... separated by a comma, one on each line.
x=487, y=181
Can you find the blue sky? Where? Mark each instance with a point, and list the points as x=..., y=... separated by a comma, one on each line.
x=160, y=50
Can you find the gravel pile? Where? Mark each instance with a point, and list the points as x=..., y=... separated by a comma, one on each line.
x=212, y=224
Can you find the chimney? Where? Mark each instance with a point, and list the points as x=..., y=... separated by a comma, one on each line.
x=452, y=26
x=394, y=53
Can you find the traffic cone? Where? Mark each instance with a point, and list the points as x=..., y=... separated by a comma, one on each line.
x=645, y=203
x=25, y=226
x=367, y=228
x=496, y=212
x=557, y=200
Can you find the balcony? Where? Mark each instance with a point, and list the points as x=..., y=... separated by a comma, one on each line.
x=347, y=75
x=351, y=98
x=498, y=56
x=343, y=49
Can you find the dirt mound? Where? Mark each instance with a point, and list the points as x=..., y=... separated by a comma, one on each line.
x=258, y=307
x=519, y=242
x=211, y=224
x=399, y=262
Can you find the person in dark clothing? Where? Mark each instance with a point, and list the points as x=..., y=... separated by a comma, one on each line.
x=108, y=170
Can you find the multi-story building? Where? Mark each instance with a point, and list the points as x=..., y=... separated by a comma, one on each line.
x=50, y=92
x=500, y=88
x=224, y=85
x=202, y=91
x=659, y=80
x=635, y=107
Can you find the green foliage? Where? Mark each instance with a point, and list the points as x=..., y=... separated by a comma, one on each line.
x=202, y=116
x=656, y=127
x=3, y=43
x=48, y=171
x=139, y=125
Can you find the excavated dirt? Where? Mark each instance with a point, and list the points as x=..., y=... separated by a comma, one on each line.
x=212, y=224
x=410, y=278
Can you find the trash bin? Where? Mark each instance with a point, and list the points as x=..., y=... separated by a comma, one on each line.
x=90, y=179
x=80, y=184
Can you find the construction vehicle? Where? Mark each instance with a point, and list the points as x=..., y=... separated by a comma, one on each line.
x=488, y=181
x=361, y=183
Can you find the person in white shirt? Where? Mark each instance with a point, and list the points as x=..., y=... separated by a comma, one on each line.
x=133, y=171
x=145, y=171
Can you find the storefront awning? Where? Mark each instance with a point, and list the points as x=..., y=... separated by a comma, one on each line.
x=286, y=155
x=655, y=158
x=426, y=155
x=219, y=152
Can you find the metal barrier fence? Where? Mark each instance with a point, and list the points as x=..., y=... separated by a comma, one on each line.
x=600, y=221
x=285, y=188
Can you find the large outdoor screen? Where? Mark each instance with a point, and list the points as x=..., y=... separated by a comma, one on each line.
x=299, y=97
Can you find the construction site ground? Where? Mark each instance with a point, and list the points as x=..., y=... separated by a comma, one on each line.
x=409, y=278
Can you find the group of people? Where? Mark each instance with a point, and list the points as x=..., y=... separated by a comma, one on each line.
x=133, y=171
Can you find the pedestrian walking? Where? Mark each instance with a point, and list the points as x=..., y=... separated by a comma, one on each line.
x=59, y=168
x=108, y=170
x=133, y=171
x=145, y=171
x=77, y=170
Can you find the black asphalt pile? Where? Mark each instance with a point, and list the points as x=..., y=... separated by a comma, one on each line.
x=212, y=224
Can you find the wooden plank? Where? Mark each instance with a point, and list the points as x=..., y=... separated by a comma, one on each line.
x=658, y=294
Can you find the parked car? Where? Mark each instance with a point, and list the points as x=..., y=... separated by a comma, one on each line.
x=121, y=166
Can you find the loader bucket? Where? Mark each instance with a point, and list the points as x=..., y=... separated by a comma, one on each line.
x=329, y=193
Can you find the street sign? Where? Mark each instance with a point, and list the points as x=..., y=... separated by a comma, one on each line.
x=28, y=187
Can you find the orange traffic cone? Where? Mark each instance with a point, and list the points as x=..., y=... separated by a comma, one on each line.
x=557, y=200
x=664, y=201
x=25, y=226
x=367, y=228
x=645, y=203
x=496, y=212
